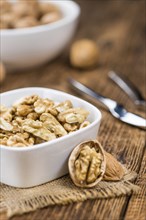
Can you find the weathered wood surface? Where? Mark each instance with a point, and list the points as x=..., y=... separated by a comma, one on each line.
x=119, y=28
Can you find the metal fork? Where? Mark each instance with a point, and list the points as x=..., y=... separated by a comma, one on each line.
x=117, y=110
x=128, y=88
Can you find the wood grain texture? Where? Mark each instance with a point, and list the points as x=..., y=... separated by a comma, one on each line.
x=137, y=203
x=119, y=29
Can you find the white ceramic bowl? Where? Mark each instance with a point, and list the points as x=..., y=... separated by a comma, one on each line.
x=29, y=47
x=34, y=165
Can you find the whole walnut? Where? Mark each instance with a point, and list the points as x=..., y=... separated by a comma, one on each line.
x=84, y=53
x=2, y=73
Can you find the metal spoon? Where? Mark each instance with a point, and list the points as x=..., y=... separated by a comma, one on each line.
x=117, y=110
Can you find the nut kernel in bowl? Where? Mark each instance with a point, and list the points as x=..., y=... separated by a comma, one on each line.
x=26, y=22
x=5, y=6
x=50, y=17
x=33, y=3
x=20, y=11
x=41, y=123
x=7, y=20
x=46, y=8
x=24, y=8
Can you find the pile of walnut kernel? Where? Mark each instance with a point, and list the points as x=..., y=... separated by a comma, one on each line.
x=26, y=13
x=34, y=120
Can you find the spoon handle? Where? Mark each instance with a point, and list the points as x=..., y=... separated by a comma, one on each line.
x=109, y=103
x=128, y=88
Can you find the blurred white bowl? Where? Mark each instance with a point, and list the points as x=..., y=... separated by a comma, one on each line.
x=34, y=165
x=30, y=47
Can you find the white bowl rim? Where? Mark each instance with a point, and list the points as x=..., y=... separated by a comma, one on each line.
x=48, y=144
x=42, y=28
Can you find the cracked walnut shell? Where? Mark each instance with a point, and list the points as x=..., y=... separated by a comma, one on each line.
x=87, y=164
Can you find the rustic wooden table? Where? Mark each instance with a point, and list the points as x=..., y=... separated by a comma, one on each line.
x=119, y=29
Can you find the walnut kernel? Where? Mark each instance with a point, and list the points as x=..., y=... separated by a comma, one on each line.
x=87, y=164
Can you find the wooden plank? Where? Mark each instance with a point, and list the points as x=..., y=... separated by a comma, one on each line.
x=137, y=206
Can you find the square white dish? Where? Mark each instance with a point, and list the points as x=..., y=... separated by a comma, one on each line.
x=38, y=164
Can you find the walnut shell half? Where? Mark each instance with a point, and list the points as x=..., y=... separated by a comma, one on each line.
x=87, y=164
